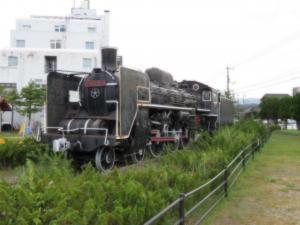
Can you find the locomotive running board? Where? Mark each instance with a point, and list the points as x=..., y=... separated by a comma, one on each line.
x=157, y=106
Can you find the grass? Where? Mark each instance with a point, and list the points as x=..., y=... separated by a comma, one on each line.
x=268, y=192
x=11, y=135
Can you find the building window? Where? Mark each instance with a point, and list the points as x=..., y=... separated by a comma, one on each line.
x=26, y=26
x=215, y=97
x=12, y=61
x=55, y=44
x=87, y=63
x=60, y=28
x=119, y=61
x=50, y=63
x=92, y=29
x=89, y=45
x=39, y=82
x=8, y=86
x=20, y=43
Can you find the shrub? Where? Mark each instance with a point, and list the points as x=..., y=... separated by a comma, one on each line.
x=14, y=153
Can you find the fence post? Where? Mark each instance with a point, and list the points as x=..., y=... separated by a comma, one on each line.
x=258, y=144
x=226, y=181
x=181, y=208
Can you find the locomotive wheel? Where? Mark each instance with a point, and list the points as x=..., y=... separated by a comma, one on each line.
x=174, y=146
x=155, y=149
x=105, y=159
x=138, y=156
x=67, y=154
x=184, y=142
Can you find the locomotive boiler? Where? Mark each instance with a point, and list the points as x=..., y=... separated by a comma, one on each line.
x=116, y=113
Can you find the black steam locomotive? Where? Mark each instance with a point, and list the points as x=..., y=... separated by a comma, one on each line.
x=116, y=113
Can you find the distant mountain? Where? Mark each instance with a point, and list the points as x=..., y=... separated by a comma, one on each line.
x=249, y=101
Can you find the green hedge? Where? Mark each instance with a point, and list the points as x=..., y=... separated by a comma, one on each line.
x=51, y=193
x=16, y=152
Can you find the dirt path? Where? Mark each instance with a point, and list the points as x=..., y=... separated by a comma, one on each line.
x=268, y=193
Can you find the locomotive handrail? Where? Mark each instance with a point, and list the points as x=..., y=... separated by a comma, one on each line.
x=51, y=128
x=94, y=129
x=147, y=105
x=61, y=129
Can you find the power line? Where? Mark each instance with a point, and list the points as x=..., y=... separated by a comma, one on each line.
x=281, y=43
x=279, y=77
x=270, y=85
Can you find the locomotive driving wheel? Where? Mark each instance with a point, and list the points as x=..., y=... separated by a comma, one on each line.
x=138, y=156
x=105, y=159
x=174, y=146
x=155, y=149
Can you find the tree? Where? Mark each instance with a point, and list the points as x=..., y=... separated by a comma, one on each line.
x=285, y=109
x=269, y=108
x=31, y=100
x=229, y=94
x=296, y=109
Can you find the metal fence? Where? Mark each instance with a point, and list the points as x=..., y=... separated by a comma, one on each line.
x=220, y=186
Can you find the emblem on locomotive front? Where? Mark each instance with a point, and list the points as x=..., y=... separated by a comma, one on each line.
x=95, y=93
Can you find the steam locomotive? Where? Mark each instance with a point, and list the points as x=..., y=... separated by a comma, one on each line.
x=116, y=113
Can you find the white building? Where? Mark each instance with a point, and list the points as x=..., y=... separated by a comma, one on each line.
x=19, y=66
x=40, y=44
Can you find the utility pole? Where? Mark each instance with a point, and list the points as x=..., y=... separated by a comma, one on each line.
x=228, y=79
x=228, y=93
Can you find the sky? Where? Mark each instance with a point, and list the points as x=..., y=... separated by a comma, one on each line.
x=195, y=39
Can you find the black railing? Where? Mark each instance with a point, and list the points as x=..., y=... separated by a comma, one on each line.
x=225, y=180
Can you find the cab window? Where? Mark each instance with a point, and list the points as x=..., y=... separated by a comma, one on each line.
x=206, y=96
x=215, y=97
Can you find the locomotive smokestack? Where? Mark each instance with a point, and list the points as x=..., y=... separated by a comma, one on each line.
x=109, y=59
